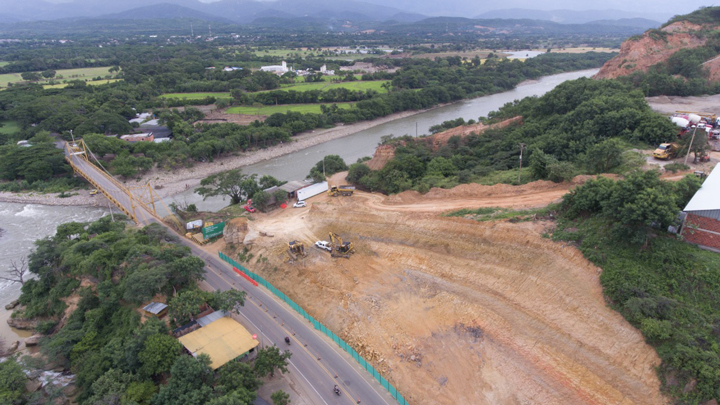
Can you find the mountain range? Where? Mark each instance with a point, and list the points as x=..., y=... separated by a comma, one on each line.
x=247, y=11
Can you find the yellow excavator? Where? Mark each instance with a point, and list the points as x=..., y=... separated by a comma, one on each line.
x=296, y=248
x=340, y=248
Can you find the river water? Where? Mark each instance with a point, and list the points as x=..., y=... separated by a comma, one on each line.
x=296, y=165
x=21, y=225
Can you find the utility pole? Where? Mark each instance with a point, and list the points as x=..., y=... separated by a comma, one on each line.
x=522, y=146
x=690, y=146
x=416, y=135
x=192, y=33
x=324, y=168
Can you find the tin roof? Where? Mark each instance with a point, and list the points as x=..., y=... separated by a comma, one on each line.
x=155, y=307
x=708, y=197
x=223, y=340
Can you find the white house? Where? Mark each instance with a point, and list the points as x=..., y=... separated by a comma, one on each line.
x=277, y=69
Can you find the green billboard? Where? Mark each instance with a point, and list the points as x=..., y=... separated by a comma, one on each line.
x=213, y=230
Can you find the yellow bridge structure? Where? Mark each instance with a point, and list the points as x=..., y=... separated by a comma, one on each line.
x=139, y=203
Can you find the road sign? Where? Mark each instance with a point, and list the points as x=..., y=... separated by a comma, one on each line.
x=213, y=230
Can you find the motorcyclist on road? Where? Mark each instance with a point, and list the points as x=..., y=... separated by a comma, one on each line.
x=337, y=390
x=287, y=339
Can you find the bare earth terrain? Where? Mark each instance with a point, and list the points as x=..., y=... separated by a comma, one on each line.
x=454, y=311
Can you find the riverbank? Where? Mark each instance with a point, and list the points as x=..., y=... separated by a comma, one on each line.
x=82, y=199
x=182, y=179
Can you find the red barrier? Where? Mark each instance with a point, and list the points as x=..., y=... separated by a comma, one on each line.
x=253, y=282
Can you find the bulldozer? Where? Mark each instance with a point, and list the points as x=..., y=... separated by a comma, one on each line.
x=296, y=248
x=340, y=248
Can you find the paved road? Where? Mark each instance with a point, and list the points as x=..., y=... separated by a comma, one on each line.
x=317, y=362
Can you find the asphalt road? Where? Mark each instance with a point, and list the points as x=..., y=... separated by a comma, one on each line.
x=318, y=363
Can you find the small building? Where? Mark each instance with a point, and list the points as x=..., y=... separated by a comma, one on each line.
x=277, y=69
x=231, y=68
x=156, y=309
x=145, y=137
x=702, y=221
x=222, y=338
x=291, y=187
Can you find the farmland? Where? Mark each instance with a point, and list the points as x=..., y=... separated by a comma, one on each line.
x=272, y=109
x=302, y=86
x=65, y=74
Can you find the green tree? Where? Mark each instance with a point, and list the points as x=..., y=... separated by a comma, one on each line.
x=186, y=305
x=140, y=392
x=270, y=359
x=110, y=388
x=235, y=375
x=331, y=163
x=159, y=354
x=260, y=200
x=48, y=74
x=229, y=300
x=30, y=76
x=604, y=156
x=185, y=271
x=268, y=181
x=356, y=172
x=232, y=183
x=280, y=196
x=190, y=382
x=441, y=166
x=280, y=397
x=144, y=283
x=238, y=397
x=12, y=382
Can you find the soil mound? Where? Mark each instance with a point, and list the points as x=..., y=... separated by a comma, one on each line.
x=653, y=47
x=383, y=154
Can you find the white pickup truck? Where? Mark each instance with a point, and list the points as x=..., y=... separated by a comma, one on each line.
x=323, y=244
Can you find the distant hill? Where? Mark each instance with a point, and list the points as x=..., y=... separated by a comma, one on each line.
x=629, y=22
x=238, y=11
x=570, y=16
x=162, y=11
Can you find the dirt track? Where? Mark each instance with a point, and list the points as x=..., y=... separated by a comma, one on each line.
x=453, y=311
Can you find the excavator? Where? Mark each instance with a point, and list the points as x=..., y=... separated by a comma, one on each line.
x=340, y=248
x=296, y=248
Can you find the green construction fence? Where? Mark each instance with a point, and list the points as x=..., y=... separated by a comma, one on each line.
x=366, y=365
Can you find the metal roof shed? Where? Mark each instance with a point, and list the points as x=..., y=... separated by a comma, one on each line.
x=702, y=222
x=155, y=308
x=223, y=340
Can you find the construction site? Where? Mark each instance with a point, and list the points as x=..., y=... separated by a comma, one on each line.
x=451, y=310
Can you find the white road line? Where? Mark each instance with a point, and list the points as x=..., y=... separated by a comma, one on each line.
x=291, y=363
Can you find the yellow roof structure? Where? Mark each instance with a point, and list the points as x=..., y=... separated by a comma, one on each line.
x=223, y=340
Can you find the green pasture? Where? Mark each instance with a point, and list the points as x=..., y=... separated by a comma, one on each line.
x=63, y=74
x=272, y=109
x=9, y=127
x=196, y=96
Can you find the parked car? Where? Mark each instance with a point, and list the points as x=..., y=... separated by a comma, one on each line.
x=323, y=244
x=93, y=192
x=300, y=204
x=249, y=208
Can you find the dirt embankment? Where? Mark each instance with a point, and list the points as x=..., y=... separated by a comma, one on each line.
x=441, y=139
x=453, y=311
x=652, y=48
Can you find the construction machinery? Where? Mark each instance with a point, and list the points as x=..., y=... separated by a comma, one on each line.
x=338, y=248
x=666, y=151
x=296, y=248
x=345, y=190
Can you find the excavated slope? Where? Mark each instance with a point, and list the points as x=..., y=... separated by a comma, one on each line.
x=651, y=49
x=454, y=311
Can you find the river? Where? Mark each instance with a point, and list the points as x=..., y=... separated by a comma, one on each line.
x=24, y=223
x=296, y=165
x=21, y=225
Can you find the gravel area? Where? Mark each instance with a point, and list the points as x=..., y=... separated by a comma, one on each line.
x=82, y=198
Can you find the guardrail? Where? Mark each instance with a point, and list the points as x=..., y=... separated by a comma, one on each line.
x=364, y=363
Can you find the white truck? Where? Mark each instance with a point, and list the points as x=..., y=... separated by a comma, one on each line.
x=323, y=244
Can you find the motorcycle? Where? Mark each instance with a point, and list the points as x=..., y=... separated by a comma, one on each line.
x=287, y=340
x=337, y=390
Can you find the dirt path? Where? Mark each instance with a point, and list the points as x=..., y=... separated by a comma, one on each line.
x=454, y=311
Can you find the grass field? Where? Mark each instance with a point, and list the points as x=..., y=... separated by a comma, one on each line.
x=302, y=86
x=196, y=96
x=89, y=83
x=4, y=63
x=272, y=109
x=9, y=127
x=64, y=74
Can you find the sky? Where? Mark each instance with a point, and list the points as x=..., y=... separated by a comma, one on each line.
x=473, y=7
